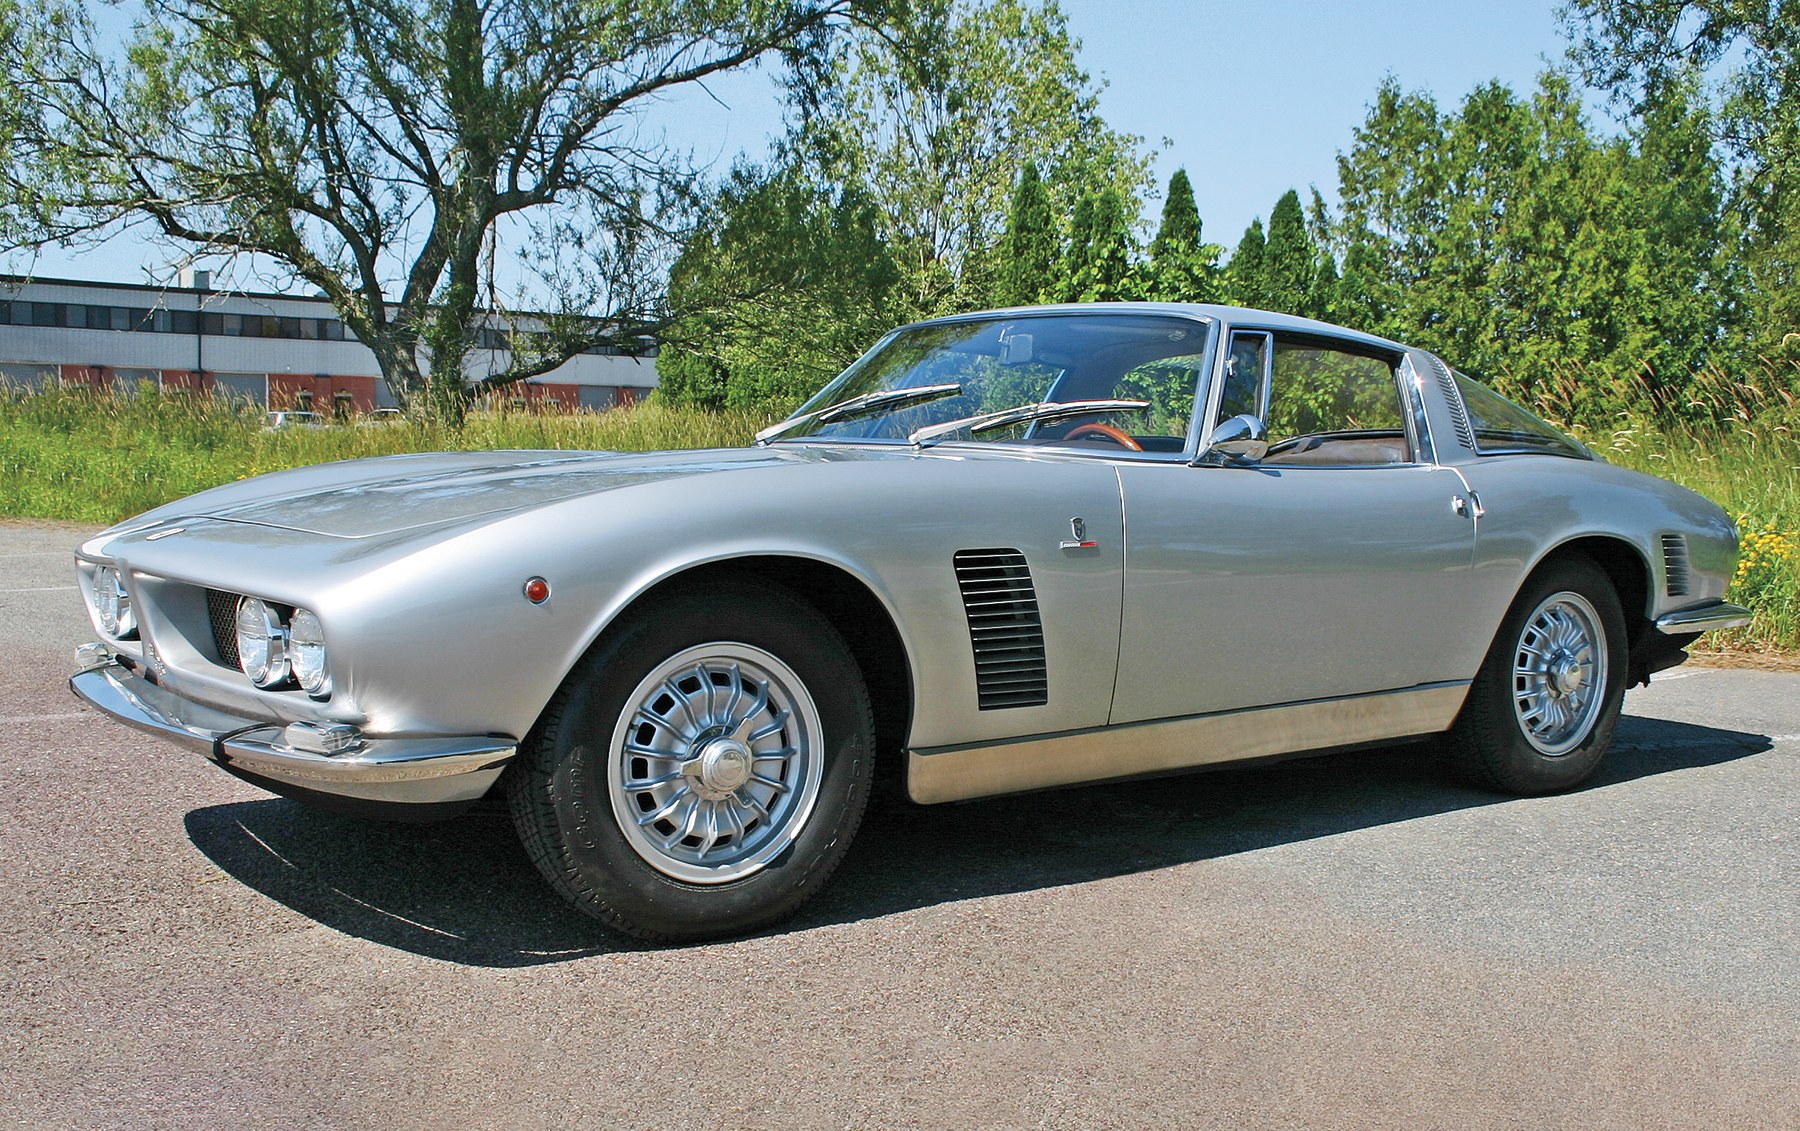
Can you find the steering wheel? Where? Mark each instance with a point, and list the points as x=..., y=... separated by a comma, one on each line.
x=1094, y=428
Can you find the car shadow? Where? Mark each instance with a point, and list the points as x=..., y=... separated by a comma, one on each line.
x=463, y=891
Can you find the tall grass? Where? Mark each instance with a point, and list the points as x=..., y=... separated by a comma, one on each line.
x=1735, y=438
x=86, y=458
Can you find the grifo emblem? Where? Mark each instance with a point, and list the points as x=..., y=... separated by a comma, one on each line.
x=1078, y=527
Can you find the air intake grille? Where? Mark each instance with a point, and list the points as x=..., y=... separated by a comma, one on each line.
x=1675, y=565
x=1004, y=627
x=221, y=611
x=1459, y=416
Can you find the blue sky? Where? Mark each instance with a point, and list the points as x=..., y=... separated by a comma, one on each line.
x=1254, y=96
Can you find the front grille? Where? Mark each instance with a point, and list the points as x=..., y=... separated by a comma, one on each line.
x=221, y=613
x=1005, y=629
x=1677, y=579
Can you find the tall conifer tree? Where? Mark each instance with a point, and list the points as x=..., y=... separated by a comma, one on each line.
x=1030, y=251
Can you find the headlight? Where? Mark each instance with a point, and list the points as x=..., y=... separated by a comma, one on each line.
x=261, y=643
x=306, y=650
x=113, y=604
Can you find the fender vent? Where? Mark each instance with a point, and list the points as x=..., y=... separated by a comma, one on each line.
x=1675, y=565
x=1459, y=416
x=1005, y=629
x=221, y=611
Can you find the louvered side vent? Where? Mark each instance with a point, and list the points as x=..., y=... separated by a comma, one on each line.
x=1004, y=627
x=1459, y=416
x=1675, y=565
x=221, y=610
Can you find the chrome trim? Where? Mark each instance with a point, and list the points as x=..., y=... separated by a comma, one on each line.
x=1703, y=618
x=419, y=771
x=1243, y=437
x=958, y=773
x=1412, y=384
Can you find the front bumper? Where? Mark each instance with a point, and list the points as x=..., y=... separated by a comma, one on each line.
x=392, y=777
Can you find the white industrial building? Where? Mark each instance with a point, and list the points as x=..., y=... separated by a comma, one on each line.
x=277, y=350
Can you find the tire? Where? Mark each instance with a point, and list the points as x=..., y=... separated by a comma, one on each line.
x=703, y=769
x=1544, y=706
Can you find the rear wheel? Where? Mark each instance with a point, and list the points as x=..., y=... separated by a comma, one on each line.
x=703, y=769
x=1544, y=706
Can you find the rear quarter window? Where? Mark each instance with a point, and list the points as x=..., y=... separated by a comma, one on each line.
x=1501, y=426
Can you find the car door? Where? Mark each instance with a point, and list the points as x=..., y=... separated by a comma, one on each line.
x=1331, y=567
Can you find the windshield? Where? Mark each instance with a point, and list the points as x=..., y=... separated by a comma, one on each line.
x=970, y=369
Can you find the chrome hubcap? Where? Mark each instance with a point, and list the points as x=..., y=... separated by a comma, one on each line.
x=1559, y=673
x=715, y=762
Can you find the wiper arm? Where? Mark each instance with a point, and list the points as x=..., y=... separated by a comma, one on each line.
x=1049, y=410
x=857, y=406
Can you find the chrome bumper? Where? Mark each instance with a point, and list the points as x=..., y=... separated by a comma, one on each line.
x=1703, y=618
x=385, y=773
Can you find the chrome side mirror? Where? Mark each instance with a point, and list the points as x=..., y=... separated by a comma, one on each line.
x=1243, y=437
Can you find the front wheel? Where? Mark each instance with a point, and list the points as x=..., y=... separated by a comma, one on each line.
x=703, y=769
x=1543, y=708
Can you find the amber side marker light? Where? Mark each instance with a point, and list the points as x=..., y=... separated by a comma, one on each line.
x=537, y=590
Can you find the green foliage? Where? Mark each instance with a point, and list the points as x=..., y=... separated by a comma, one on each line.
x=1637, y=49
x=1182, y=267
x=1289, y=260
x=1029, y=266
x=935, y=119
x=783, y=287
x=1245, y=281
x=1098, y=265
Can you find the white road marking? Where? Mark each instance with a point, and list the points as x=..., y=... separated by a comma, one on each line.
x=41, y=589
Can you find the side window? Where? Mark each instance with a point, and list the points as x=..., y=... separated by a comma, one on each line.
x=1330, y=406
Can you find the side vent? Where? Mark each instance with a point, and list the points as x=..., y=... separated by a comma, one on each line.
x=1459, y=416
x=1675, y=565
x=1005, y=629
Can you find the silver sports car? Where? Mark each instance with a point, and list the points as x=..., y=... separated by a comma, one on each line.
x=1000, y=552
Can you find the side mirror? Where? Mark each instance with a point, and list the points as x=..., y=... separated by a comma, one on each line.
x=1243, y=437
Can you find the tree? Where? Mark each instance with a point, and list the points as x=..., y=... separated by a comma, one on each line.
x=1637, y=48
x=1029, y=266
x=782, y=286
x=1098, y=265
x=1245, y=282
x=383, y=150
x=936, y=119
x=1182, y=268
x=1289, y=259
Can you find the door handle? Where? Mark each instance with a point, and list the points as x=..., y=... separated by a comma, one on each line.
x=1469, y=507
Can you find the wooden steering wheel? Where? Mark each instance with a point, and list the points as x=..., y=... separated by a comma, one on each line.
x=1094, y=428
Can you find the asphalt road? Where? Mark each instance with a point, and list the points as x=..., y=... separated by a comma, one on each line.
x=1345, y=941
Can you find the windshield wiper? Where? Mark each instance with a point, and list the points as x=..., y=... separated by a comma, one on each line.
x=857, y=406
x=1049, y=410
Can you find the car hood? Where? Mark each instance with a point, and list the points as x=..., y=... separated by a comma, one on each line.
x=367, y=498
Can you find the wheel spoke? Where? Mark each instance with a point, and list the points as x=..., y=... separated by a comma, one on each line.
x=668, y=806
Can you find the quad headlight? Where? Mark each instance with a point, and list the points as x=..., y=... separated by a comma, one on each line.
x=272, y=651
x=306, y=652
x=113, y=604
x=261, y=643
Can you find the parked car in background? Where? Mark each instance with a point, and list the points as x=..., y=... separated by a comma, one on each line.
x=293, y=418
x=379, y=416
x=1001, y=552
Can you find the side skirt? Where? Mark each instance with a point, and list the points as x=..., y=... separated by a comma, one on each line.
x=956, y=773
